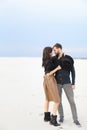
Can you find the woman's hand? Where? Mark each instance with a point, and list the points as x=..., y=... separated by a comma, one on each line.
x=64, y=54
x=59, y=67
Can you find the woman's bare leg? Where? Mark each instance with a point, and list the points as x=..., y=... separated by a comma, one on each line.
x=55, y=108
x=46, y=106
x=53, y=119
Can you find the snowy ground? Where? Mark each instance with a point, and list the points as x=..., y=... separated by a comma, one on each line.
x=22, y=96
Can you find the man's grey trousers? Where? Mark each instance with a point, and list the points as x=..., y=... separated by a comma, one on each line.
x=70, y=96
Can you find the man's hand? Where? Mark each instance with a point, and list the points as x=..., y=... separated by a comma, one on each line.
x=73, y=87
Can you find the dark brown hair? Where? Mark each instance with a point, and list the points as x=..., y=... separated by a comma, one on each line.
x=57, y=45
x=46, y=55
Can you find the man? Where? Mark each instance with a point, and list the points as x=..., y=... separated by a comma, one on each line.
x=63, y=79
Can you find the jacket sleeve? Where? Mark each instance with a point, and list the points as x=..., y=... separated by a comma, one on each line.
x=73, y=75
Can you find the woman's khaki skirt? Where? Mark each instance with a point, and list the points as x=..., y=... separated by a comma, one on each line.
x=51, y=89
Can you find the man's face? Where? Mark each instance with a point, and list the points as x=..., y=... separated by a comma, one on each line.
x=56, y=50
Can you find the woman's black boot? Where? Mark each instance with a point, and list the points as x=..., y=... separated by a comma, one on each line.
x=46, y=116
x=53, y=120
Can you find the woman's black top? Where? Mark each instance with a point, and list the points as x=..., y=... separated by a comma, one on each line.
x=49, y=66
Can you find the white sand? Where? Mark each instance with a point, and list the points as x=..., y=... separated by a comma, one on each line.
x=22, y=96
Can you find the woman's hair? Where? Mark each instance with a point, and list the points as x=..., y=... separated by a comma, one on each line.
x=46, y=55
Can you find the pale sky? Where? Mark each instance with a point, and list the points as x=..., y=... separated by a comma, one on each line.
x=27, y=26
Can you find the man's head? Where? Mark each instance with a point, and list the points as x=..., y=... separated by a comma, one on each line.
x=57, y=48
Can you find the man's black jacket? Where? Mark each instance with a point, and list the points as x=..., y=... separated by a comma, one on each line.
x=63, y=76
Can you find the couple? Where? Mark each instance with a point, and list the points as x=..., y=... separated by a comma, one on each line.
x=57, y=77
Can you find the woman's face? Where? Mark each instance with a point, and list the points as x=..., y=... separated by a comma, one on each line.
x=51, y=54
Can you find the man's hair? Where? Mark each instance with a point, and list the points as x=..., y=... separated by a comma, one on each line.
x=57, y=45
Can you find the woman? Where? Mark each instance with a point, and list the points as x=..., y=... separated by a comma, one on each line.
x=50, y=86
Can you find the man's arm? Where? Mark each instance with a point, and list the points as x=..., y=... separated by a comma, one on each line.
x=73, y=77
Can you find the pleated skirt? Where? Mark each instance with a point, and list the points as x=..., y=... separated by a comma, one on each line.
x=51, y=89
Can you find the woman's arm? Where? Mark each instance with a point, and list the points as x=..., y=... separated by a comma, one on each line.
x=53, y=71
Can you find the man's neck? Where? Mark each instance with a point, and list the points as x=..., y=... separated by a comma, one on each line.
x=60, y=55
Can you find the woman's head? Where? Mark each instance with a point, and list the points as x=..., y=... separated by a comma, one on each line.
x=47, y=54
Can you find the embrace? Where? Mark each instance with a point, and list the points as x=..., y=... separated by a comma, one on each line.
x=57, y=78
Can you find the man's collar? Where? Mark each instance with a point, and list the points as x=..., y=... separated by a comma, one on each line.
x=60, y=56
